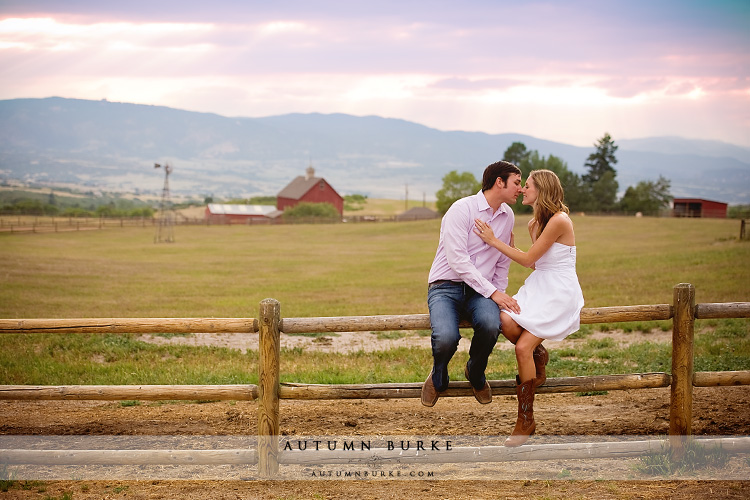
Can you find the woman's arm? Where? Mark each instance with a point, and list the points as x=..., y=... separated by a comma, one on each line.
x=555, y=228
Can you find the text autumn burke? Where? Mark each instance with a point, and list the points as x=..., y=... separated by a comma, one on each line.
x=332, y=445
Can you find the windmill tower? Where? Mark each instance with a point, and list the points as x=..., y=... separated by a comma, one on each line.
x=165, y=226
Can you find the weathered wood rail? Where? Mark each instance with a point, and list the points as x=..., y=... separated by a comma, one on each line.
x=269, y=325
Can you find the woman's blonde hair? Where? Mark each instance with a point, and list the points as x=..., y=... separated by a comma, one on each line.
x=549, y=199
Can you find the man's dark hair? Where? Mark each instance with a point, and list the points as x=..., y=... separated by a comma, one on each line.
x=502, y=169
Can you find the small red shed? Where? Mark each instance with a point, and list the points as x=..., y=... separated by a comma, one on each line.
x=696, y=207
x=310, y=189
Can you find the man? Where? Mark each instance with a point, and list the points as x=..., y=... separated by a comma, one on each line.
x=468, y=280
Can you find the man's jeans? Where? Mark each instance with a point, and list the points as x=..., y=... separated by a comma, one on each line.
x=449, y=303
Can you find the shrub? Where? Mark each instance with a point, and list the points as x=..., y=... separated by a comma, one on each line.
x=306, y=209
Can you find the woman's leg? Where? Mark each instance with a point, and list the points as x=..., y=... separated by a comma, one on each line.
x=525, y=389
x=510, y=328
x=525, y=346
x=512, y=331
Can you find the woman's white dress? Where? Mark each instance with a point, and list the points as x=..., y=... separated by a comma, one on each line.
x=551, y=298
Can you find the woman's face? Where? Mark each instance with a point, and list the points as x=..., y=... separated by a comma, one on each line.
x=529, y=192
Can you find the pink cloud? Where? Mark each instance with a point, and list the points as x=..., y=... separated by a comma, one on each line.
x=456, y=83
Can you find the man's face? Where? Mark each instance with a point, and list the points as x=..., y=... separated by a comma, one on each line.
x=511, y=189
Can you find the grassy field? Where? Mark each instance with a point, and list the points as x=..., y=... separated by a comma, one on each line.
x=330, y=270
x=387, y=208
x=340, y=269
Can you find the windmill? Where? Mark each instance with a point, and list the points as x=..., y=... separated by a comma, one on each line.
x=165, y=227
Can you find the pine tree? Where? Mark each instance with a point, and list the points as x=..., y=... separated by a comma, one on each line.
x=601, y=161
x=600, y=179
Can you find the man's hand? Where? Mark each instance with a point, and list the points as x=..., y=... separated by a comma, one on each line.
x=505, y=301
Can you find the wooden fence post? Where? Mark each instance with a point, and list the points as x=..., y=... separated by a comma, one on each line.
x=683, y=329
x=268, y=387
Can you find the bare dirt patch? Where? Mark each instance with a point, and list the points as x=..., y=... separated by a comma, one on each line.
x=347, y=342
x=716, y=411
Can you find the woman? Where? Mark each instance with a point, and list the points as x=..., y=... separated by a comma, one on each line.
x=550, y=298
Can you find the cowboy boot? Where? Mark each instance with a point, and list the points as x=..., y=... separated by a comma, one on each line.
x=541, y=358
x=525, y=425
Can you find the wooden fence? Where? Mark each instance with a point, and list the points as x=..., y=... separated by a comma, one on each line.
x=51, y=224
x=269, y=325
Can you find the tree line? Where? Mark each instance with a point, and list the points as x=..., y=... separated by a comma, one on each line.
x=26, y=203
x=594, y=191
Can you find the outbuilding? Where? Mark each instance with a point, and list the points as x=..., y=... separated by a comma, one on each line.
x=696, y=207
x=309, y=189
x=417, y=213
x=224, y=213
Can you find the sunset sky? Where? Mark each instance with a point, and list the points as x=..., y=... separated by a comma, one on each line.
x=566, y=71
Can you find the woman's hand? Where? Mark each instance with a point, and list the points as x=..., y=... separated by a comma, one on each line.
x=484, y=231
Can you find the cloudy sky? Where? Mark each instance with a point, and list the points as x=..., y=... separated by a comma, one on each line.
x=561, y=70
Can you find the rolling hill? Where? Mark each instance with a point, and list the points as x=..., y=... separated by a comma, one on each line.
x=113, y=146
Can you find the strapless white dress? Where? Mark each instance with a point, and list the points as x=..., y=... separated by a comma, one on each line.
x=551, y=298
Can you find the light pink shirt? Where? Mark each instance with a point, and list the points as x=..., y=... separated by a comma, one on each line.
x=463, y=256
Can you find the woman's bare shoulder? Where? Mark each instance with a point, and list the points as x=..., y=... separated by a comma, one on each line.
x=561, y=218
x=561, y=225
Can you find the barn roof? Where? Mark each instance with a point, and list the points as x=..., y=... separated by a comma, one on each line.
x=418, y=213
x=696, y=200
x=298, y=187
x=231, y=209
x=301, y=184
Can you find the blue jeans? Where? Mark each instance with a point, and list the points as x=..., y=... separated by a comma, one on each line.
x=449, y=303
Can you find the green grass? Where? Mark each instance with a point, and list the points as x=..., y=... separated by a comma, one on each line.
x=338, y=270
x=40, y=359
x=387, y=208
x=57, y=359
x=695, y=457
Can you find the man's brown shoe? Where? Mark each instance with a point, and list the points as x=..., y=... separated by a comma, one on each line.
x=429, y=394
x=484, y=395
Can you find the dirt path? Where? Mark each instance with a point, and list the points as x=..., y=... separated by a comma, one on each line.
x=717, y=411
x=347, y=342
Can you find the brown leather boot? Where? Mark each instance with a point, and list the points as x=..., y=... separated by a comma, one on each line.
x=484, y=395
x=429, y=394
x=525, y=425
x=541, y=358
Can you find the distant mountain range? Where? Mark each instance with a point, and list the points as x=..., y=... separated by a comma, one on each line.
x=113, y=147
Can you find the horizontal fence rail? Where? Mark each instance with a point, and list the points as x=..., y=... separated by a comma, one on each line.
x=593, y=315
x=463, y=388
x=722, y=310
x=129, y=457
x=237, y=392
x=460, y=454
x=422, y=321
x=289, y=390
x=130, y=325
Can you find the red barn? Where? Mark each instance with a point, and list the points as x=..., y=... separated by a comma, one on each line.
x=309, y=189
x=696, y=207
